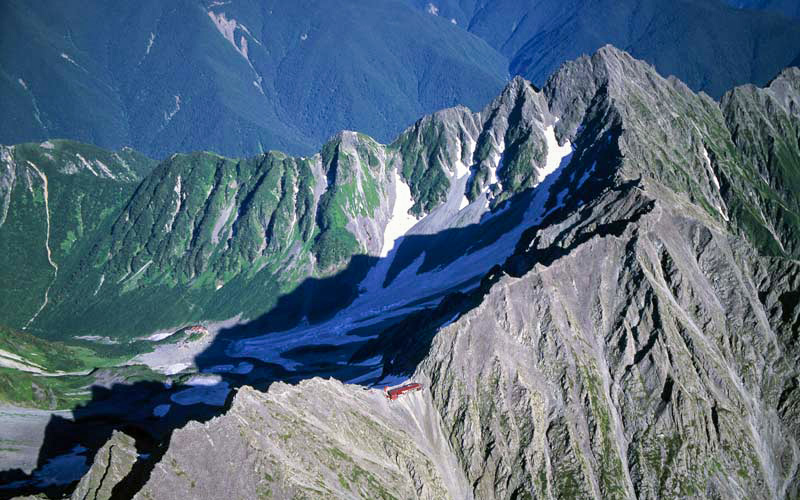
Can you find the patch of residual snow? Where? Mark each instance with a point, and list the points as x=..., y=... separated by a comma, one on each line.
x=161, y=410
x=63, y=469
x=401, y=221
x=556, y=153
x=715, y=180
x=150, y=43
x=206, y=389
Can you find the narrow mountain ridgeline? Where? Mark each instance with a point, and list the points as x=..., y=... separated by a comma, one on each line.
x=595, y=282
x=217, y=238
x=596, y=286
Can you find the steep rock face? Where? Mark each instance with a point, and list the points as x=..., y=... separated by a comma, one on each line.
x=764, y=125
x=652, y=371
x=113, y=462
x=640, y=342
x=319, y=439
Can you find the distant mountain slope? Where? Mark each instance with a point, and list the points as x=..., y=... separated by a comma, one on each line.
x=789, y=8
x=236, y=78
x=707, y=44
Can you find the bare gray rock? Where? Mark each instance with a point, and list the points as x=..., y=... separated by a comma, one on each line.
x=113, y=462
x=641, y=341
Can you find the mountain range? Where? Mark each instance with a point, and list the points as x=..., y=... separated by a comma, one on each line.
x=243, y=77
x=595, y=282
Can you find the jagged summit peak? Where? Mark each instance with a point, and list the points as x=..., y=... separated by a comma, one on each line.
x=517, y=87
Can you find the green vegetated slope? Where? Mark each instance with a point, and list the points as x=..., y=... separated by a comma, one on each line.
x=55, y=198
x=788, y=8
x=238, y=78
x=202, y=237
x=49, y=374
x=205, y=237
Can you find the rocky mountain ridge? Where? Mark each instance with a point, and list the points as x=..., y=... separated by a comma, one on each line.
x=640, y=340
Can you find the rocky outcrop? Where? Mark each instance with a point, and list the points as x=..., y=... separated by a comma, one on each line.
x=112, y=463
x=319, y=439
x=640, y=342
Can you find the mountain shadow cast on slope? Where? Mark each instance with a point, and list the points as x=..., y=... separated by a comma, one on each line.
x=129, y=407
x=150, y=411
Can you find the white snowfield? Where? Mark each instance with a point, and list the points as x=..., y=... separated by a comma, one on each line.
x=161, y=410
x=206, y=389
x=242, y=368
x=63, y=469
x=556, y=153
x=401, y=221
x=418, y=291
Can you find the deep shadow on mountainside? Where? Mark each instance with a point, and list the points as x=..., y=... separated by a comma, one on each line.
x=641, y=341
x=129, y=407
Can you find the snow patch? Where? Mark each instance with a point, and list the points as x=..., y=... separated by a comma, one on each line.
x=495, y=164
x=168, y=116
x=715, y=180
x=586, y=175
x=85, y=164
x=104, y=168
x=376, y=360
x=178, y=204
x=47, y=145
x=370, y=375
x=461, y=169
x=243, y=46
x=174, y=368
x=432, y=9
x=212, y=395
x=159, y=336
x=450, y=321
x=453, y=21
x=204, y=380
x=22, y=82
x=242, y=368
x=150, y=43
x=556, y=153
x=63, y=469
x=161, y=410
x=464, y=203
x=69, y=59
x=304, y=37
x=707, y=161
x=140, y=271
x=97, y=338
x=400, y=221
